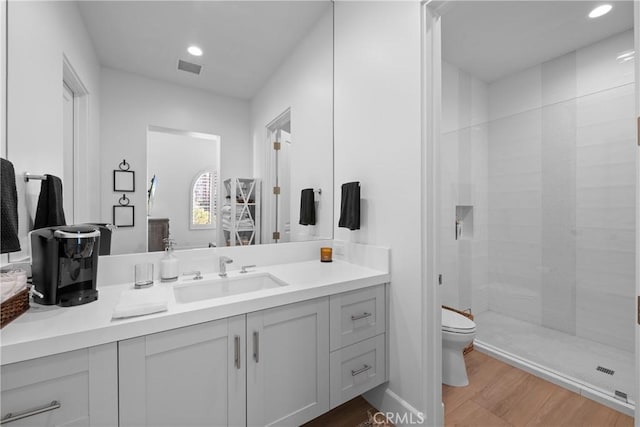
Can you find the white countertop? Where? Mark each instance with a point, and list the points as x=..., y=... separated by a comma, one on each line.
x=47, y=330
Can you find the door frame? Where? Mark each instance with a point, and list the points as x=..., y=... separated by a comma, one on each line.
x=217, y=139
x=431, y=63
x=269, y=205
x=80, y=135
x=431, y=107
x=636, y=39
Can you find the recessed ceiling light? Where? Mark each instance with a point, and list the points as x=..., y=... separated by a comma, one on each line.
x=600, y=10
x=195, y=51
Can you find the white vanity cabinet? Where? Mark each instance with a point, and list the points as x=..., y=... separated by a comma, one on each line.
x=281, y=366
x=191, y=376
x=358, y=342
x=77, y=388
x=288, y=363
x=269, y=367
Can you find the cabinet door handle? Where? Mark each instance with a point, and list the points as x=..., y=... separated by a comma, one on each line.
x=10, y=417
x=361, y=316
x=355, y=372
x=236, y=345
x=256, y=346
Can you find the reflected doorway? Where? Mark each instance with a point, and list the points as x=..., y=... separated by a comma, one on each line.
x=183, y=171
x=278, y=218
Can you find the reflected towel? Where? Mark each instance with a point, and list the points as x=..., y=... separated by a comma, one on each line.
x=50, y=211
x=8, y=208
x=307, y=207
x=350, y=208
x=138, y=302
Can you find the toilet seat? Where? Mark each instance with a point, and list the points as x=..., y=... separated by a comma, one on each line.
x=457, y=323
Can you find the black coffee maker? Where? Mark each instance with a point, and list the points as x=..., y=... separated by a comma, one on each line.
x=64, y=264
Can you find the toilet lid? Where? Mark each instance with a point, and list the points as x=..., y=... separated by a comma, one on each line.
x=454, y=322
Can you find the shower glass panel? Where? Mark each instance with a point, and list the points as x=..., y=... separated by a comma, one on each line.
x=545, y=158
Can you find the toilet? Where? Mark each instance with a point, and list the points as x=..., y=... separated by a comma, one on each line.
x=458, y=332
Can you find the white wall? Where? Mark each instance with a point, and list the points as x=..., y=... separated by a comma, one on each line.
x=463, y=160
x=3, y=83
x=130, y=104
x=175, y=182
x=4, y=258
x=303, y=83
x=40, y=34
x=378, y=142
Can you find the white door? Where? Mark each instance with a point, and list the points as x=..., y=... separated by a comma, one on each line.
x=288, y=364
x=284, y=181
x=68, y=135
x=193, y=376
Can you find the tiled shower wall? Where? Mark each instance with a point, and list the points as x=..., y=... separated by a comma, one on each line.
x=463, y=162
x=554, y=191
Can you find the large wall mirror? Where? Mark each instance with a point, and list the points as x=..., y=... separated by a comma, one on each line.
x=217, y=138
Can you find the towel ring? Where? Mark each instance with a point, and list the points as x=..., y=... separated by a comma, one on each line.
x=124, y=200
x=124, y=166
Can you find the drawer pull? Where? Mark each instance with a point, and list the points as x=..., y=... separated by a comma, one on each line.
x=236, y=360
x=361, y=316
x=10, y=417
x=355, y=372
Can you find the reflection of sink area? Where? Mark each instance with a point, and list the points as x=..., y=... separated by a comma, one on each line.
x=218, y=288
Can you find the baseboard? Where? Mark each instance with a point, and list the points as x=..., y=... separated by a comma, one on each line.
x=396, y=409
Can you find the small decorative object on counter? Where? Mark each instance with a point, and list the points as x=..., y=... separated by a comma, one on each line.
x=169, y=263
x=325, y=254
x=15, y=295
x=143, y=275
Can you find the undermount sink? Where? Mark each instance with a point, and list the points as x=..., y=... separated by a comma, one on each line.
x=224, y=287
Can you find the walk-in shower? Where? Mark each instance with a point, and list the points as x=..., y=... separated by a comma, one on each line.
x=537, y=187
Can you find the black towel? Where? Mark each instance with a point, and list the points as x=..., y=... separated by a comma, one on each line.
x=8, y=209
x=307, y=207
x=50, y=211
x=350, y=208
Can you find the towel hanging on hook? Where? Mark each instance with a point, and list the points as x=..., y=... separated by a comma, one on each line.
x=307, y=207
x=350, y=207
x=50, y=210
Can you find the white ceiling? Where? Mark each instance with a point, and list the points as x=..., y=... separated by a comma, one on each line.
x=244, y=42
x=492, y=39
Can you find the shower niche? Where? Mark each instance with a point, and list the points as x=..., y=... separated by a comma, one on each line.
x=464, y=222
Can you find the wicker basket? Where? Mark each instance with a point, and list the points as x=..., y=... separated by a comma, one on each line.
x=14, y=307
x=468, y=348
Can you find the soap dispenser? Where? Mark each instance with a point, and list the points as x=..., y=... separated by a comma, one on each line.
x=169, y=263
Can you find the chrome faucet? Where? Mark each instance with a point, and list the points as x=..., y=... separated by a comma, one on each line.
x=223, y=265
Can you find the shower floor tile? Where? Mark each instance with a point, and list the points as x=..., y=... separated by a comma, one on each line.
x=571, y=356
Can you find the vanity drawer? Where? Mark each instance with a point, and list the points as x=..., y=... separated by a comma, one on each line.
x=356, y=316
x=356, y=369
x=76, y=388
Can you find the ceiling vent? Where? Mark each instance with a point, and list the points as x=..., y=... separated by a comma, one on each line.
x=189, y=67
